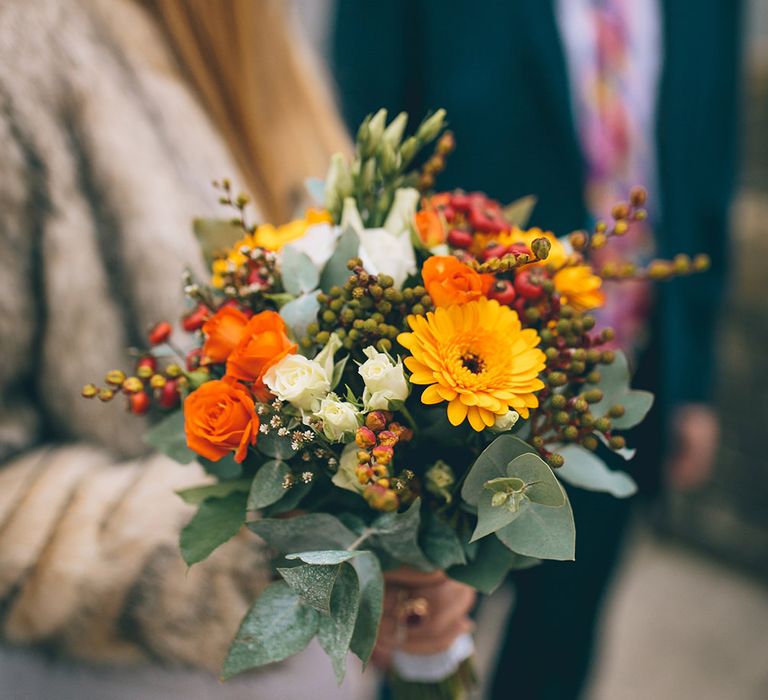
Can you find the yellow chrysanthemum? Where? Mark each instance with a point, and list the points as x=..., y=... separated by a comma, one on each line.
x=478, y=358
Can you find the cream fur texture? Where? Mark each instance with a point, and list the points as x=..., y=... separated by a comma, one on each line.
x=105, y=157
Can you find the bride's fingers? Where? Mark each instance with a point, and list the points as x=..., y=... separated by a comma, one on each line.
x=439, y=643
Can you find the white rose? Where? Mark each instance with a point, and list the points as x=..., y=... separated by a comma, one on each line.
x=384, y=381
x=505, y=422
x=339, y=417
x=299, y=381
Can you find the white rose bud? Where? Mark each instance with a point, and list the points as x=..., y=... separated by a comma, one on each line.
x=299, y=381
x=505, y=422
x=384, y=382
x=339, y=417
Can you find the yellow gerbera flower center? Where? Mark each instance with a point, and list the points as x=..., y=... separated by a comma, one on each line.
x=478, y=358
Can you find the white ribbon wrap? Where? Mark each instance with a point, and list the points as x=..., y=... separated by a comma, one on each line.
x=432, y=668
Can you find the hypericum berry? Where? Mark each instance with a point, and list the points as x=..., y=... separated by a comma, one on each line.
x=159, y=333
x=169, y=394
x=459, y=239
x=132, y=384
x=138, y=403
x=89, y=391
x=494, y=251
x=365, y=437
x=147, y=365
x=526, y=285
x=376, y=421
x=115, y=377
x=502, y=291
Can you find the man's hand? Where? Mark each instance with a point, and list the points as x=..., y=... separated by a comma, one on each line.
x=695, y=436
x=443, y=606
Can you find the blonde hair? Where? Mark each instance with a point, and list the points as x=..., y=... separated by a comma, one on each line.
x=261, y=89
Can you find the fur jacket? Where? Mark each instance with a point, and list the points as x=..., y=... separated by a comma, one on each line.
x=105, y=157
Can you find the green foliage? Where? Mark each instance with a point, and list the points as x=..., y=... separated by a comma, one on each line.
x=328, y=557
x=293, y=496
x=196, y=495
x=167, y=436
x=518, y=213
x=335, y=272
x=315, y=531
x=439, y=542
x=216, y=237
x=276, y=446
x=492, y=562
x=586, y=470
x=313, y=583
x=299, y=274
x=397, y=534
x=277, y=626
x=335, y=630
x=371, y=604
x=542, y=532
x=492, y=517
x=225, y=468
x=614, y=383
x=300, y=312
x=267, y=486
x=491, y=464
x=216, y=521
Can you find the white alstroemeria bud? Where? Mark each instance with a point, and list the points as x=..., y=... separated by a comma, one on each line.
x=505, y=422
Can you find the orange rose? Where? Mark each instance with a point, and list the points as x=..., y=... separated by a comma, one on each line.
x=219, y=418
x=263, y=343
x=223, y=332
x=430, y=227
x=449, y=281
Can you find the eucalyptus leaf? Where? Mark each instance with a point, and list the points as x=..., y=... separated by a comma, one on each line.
x=299, y=274
x=586, y=470
x=541, y=485
x=492, y=463
x=328, y=557
x=168, y=436
x=300, y=312
x=490, y=567
x=292, y=498
x=197, y=494
x=225, y=468
x=542, y=532
x=278, y=625
x=335, y=630
x=267, y=487
x=338, y=370
x=216, y=237
x=315, y=188
x=368, y=619
x=335, y=273
x=439, y=542
x=491, y=518
x=397, y=534
x=312, y=532
x=615, y=385
x=519, y=212
x=314, y=584
x=216, y=521
x=276, y=446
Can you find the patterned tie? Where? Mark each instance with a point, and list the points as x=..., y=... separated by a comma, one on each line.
x=616, y=147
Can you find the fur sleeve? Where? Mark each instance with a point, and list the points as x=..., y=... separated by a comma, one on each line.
x=89, y=561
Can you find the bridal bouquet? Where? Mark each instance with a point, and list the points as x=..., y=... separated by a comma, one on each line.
x=398, y=379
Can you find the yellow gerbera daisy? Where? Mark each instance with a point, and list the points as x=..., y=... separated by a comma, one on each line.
x=478, y=358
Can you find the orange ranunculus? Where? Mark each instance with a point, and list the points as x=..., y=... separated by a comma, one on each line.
x=429, y=227
x=449, y=281
x=219, y=418
x=264, y=342
x=223, y=332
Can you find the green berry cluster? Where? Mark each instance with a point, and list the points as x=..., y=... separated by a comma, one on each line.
x=367, y=310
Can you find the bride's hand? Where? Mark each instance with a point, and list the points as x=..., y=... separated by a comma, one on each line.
x=424, y=613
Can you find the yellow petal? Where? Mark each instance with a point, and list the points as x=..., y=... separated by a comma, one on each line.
x=457, y=411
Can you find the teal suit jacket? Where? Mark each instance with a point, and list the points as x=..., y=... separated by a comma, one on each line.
x=499, y=70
